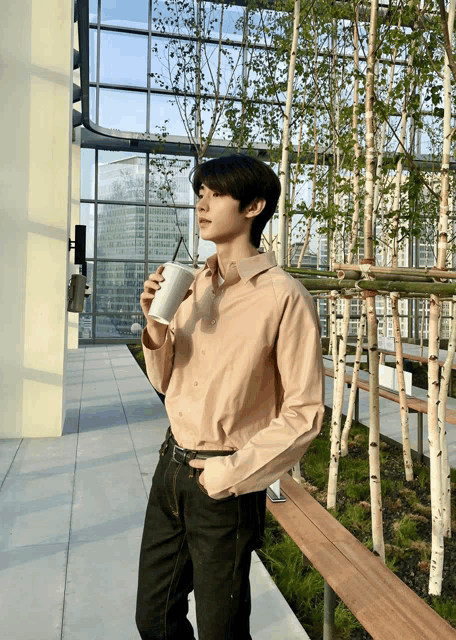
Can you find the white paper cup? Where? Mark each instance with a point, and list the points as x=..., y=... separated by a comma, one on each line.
x=177, y=281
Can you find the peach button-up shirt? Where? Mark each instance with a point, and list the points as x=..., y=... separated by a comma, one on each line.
x=242, y=370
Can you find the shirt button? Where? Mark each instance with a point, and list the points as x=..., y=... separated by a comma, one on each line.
x=203, y=352
x=180, y=413
x=212, y=321
x=196, y=384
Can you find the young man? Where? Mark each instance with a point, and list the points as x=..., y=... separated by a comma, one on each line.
x=242, y=370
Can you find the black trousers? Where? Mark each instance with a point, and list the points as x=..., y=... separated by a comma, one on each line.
x=194, y=542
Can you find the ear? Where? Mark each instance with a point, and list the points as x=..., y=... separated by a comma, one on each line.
x=256, y=207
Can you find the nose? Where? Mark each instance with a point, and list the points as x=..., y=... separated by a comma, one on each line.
x=201, y=204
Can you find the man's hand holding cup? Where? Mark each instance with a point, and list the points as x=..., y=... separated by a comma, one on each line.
x=179, y=279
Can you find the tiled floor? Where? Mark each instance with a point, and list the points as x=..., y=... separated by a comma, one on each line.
x=72, y=511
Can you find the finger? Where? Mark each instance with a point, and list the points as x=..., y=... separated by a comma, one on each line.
x=198, y=464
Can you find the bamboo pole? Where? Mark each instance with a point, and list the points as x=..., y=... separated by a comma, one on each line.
x=354, y=383
x=432, y=272
x=311, y=272
x=383, y=286
x=406, y=451
x=356, y=275
x=444, y=384
x=408, y=287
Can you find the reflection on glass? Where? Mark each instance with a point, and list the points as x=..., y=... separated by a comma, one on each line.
x=88, y=302
x=221, y=69
x=119, y=286
x=92, y=55
x=87, y=218
x=85, y=326
x=87, y=174
x=169, y=180
x=93, y=104
x=174, y=16
x=125, y=13
x=232, y=24
x=123, y=59
x=123, y=110
x=129, y=326
x=264, y=26
x=93, y=10
x=167, y=70
x=121, y=176
x=121, y=230
x=165, y=228
x=165, y=116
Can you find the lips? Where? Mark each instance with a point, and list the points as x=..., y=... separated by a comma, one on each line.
x=203, y=220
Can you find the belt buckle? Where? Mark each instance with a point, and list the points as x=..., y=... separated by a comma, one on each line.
x=181, y=449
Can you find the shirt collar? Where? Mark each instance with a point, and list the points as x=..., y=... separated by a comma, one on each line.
x=247, y=268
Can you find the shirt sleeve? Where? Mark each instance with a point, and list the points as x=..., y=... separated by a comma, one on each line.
x=159, y=362
x=275, y=449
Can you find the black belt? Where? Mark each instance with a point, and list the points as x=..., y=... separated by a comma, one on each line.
x=183, y=456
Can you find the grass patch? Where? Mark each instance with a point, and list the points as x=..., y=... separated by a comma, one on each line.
x=406, y=523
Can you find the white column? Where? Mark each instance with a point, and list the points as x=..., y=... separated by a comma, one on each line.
x=36, y=50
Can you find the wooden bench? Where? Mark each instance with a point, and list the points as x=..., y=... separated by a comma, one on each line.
x=407, y=356
x=382, y=603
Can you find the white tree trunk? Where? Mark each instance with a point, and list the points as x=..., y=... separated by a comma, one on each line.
x=406, y=451
x=351, y=400
x=444, y=384
x=336, y=420
x=285, y=136
x=374, y=418
x=435, y=577
x=374, y=431
x=355, y=221
x=434, y=435
x=423, y=311
x=332, y=310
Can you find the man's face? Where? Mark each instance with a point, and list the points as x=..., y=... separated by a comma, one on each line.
x=226, y=222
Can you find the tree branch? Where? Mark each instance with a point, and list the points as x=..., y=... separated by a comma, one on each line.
x=446, y=37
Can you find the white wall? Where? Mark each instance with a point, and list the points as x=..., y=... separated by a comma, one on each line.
x=36, y=50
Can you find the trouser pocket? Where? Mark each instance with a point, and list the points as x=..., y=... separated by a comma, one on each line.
x=204, y=492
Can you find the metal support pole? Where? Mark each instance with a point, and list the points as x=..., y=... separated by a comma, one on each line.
x=329, y=613
x=419, y=424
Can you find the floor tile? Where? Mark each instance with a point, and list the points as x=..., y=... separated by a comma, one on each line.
x=32, y=584
x=35, y=509
x=101, y=589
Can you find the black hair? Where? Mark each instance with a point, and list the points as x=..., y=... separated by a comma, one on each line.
x=244, y=178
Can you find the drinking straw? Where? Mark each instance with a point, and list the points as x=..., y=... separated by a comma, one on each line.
x=175, y=253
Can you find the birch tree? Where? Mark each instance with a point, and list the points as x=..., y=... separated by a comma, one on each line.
x=374, y=418
x=435, y=434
